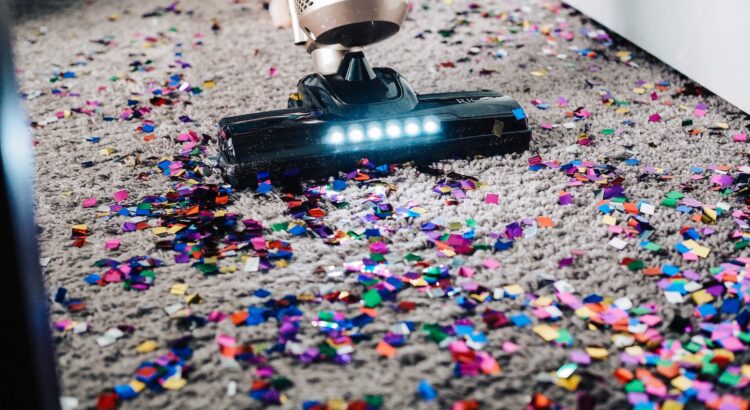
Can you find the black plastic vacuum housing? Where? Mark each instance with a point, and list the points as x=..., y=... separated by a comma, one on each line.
x=361, y=112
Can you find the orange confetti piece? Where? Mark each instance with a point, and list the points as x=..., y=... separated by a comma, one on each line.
x=385, y=349
x=545, y=221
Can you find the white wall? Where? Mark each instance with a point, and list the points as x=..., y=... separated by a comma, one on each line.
x=707, y=40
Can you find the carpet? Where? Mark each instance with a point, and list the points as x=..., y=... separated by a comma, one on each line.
x=88, y=74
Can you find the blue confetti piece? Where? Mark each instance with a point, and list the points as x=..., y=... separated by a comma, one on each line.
x=148, y=127
x=519, y=113
x=520, y=320
x=670, y=270
x=706, y=310
x=297, y=230
x=339, y=185
x=262, y=293
x=264, y=188
x=60, y=295
x=730, y=305
x=426, y=391
x=92, y=279
x=124, y=391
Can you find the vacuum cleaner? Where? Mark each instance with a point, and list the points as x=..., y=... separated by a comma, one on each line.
x=347, y=110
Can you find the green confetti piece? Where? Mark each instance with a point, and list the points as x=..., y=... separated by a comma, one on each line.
x=207, y=268
x=327, y=350
x=279, y=227
x=608, y=131
x=481, y=246
x=669, y=202
x=741, y=245
x=471, y=223
x=372, y=298
x=636, y=265
x=675, y=195
x=640, y=310
x=374, y=400
x=687, y=123
x=692, y=347
x=281, y=383
x=325, y=315
x=635, y=386
x=412, y=257
x=730, y=379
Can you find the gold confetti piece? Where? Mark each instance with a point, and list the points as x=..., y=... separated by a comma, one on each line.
x=107, y=151
x=281, y=263
x=147, y=346
x=514, y=289
x=338, y=404
x=681, y=382
x=722, y=125
x=542, y=301
x=571, y=383
x=546, y=332
x=209, y=84
x=193, y=299
x=137, y=385
x=228, y=269
x=539, y=73
x=639, y=90
x=174, y=229
x=671, y=405
x=634, y=350
x=701, y=251
x=701, y=297
x=598, y=353
x=159, y=230
x=174, y=383
x=609, y=220
x=178, y=289
x=583, y=312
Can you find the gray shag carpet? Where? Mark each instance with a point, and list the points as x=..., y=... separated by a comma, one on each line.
x=99, y=40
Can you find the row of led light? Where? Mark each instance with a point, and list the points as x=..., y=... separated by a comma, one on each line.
x=375, y=131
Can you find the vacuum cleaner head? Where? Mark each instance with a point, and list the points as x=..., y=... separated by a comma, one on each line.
x=359, y=112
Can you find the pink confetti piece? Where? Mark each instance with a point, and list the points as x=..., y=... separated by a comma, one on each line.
x=510, y=347
x=491, y=198
x=112, y=245
x=272, y=72
x=490, y=263
x=120, y=195
x=89, y=202
x=740, y=137
x=654, y=117
x=465, y=271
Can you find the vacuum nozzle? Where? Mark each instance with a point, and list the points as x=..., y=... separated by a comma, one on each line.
x=354, y=67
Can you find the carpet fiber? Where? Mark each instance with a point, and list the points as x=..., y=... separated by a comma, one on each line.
x=246, y=65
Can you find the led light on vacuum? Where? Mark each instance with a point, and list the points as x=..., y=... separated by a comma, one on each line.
x=431, y=125
x=393, y=129
x=356, y=134
x=411, y=128
x=374, y=131
x=336, y=136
